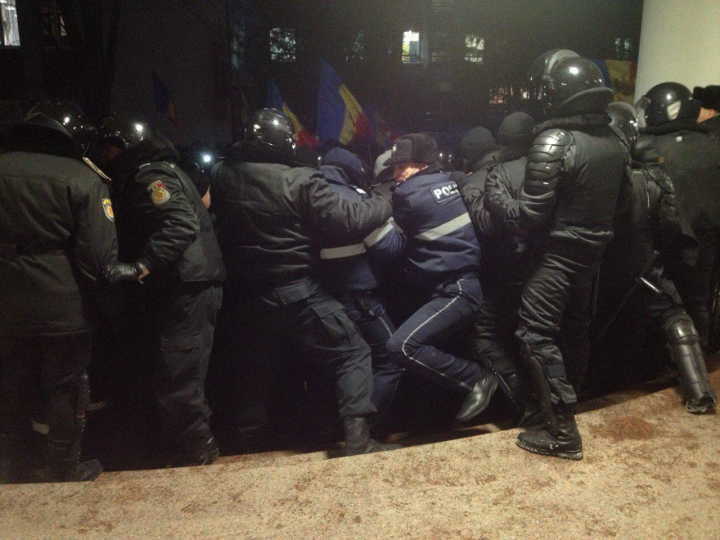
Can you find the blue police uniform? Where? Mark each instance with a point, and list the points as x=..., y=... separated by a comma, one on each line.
x=348, y=273
x=441, y=262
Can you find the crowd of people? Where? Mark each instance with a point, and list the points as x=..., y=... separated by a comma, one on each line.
x=477, y=279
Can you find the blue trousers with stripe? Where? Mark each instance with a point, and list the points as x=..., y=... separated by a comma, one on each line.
x=414, y=345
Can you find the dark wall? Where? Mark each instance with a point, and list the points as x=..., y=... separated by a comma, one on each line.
x=449, y=92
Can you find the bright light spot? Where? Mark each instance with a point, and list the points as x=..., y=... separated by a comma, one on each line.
x=207, y=158
x=669, y=97
x=275, y=122
x=66, y=120
x=139, y=128
x=574, y=70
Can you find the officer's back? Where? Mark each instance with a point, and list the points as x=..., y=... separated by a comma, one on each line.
x=46, y=256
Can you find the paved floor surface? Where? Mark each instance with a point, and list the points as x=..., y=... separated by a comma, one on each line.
x=651, y=471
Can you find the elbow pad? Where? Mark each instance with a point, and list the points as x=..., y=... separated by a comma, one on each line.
x=547, y=159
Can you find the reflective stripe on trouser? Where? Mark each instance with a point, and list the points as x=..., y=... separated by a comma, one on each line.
x=451, y=308
x=558, y=290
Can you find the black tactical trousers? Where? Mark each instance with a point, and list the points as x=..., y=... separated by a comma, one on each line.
x=494, y=342
x=560, y=289
x=315, y=325
x=42, y=372
x=695, y=283
x=184, y=317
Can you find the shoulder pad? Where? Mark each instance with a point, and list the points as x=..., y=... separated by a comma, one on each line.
x=105, y=178
x=550, y=145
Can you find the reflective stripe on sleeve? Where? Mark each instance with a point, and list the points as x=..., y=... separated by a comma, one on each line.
x=342, y=252
x=379, y=233
x=446, y=228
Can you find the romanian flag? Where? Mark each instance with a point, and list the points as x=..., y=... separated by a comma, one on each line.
x=385, y=135
x=339, y=114
x=275, y=101
x=163, y=103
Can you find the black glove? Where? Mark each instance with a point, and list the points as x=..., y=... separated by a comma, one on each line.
x=460, y=178
x=120, y=271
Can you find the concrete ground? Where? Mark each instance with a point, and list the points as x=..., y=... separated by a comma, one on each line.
x=651, y=471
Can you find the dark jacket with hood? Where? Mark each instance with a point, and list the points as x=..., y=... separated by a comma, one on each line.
x=272, y=216
x=692, y=159
x=505, y=253
x=161, y=217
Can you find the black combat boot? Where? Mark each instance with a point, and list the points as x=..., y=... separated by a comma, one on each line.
x=197, y=451
x=64, y=465
x=559, y=438
x=478, y=398
x=357, y=438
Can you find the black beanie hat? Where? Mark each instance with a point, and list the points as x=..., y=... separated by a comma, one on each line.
x=516, y=129
x=476, y=143
x=708, y=96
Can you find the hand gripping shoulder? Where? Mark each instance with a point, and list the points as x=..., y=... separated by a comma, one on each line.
x=547, y=157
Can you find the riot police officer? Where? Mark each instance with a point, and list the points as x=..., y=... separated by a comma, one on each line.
x=168, y=244
x=647, y=225
x=56, y=235
x=692, y=159
x=271, y=215
x=573, y=177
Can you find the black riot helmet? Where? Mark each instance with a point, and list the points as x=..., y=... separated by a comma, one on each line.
x=665, y=102
x=270, y=134
x=124, y=130
x=446, y=158
x=624, y=118
x=137, y=141
x=54, y=127
x=562, y=83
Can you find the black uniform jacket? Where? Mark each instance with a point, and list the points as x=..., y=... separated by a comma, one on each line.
x=162, y=220
x=692, y=159
x=57, y=232
x=271, y=214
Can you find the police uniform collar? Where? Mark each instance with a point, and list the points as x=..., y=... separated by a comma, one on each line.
x=433, y=168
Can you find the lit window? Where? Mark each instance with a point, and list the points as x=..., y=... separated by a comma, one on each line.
x=8, y=17
x=282, y=44
x=53, y=24
x=474, y=48
x=411, y=48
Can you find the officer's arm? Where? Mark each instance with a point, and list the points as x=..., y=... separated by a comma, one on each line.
x=386, y=243
x=336, y=217
x=473, y=197
x=174, y=222
x=665, y=219
x=95, y=237
x=548, y=157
